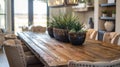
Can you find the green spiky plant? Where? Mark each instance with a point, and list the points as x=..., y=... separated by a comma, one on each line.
x=67, y=22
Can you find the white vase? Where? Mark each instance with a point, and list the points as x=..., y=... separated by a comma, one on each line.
x=109, y=26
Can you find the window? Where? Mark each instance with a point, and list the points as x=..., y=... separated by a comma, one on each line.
x=39, y=13
x=29, y=12
x=20, y=14
x=2, y=14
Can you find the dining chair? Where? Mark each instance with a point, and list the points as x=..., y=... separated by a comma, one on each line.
x=38, y=29
x=91, y=34
x=111, y=37
x=10, y=36
x=25, y=28
x=16, y=56
x=2, y=39
x=114, y=63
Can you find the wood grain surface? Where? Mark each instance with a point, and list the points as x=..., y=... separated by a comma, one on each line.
x=57, y=54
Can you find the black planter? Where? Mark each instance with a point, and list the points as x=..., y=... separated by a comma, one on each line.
x=61, y=34
x=77, y=38
x=50, y=31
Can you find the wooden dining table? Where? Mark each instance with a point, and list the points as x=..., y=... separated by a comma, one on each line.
x=53, y=53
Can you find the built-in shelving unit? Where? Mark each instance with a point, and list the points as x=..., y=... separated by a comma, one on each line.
x=87, y=8
x=107, y=8
x=108, y=5
x=108, y=18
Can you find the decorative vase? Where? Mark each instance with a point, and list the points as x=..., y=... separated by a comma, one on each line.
x=50, y=31
x=90, y=22
x=109, y=26
x=61, y=34
x=77, y=38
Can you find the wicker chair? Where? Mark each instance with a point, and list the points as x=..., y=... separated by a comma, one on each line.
x=2, y=39
x=17, y=57
x=25, y=28
x=111, y=37
x=38, y=29
x=114, y=63
x=10, y=36
x=91, y=34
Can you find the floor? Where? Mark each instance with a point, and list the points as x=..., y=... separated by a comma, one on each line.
x=3, y=59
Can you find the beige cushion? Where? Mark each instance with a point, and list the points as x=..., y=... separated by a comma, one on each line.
x=91, y=34
x=111, y=37
x=38, y=29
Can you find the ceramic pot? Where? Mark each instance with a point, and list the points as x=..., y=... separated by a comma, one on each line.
x=61, y=34
x=109, y=26
x=77, y=38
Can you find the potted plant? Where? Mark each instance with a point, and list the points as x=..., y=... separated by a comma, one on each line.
x=62, y=24
x=77, y=34
x=104, y=13
x=113, y=13
x=89, y=2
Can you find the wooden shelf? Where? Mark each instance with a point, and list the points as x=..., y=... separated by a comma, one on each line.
x=108, y=18
x=56, y=6
x=88, y=8
x=108, y=5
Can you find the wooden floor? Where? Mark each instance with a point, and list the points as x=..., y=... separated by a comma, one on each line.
x=3, y=59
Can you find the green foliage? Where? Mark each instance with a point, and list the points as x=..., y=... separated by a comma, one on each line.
x=113, y=12
x=82, y=31
x=68, y=22
x=72, y=31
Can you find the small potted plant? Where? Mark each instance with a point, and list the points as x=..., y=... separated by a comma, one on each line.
x=104, y=13
x=113, y=13
x=62, y=25
x=77, y=35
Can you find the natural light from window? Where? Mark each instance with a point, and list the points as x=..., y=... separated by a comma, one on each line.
x=21, y=14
